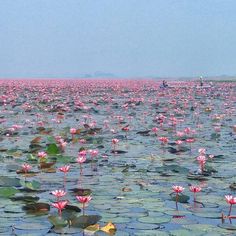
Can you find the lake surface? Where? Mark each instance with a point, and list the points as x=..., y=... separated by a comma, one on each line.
x=131, y=181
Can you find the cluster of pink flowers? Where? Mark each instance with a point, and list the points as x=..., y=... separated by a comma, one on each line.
x=179, y=189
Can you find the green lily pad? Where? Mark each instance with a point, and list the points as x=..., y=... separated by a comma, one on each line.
x=151, y=233
x=181, y=198
x=36, y=208
x=9, y=182
x=13, y=209
x=154, y=220
x=52, y=149
x=33, y=185
x=31, y=226
x=183, y=232
x=81, y=191
x=58, y=221
x=67, y=231
x=227, y=226
x=25, y=198
x=8, y=192
x=143, y=226
x=85, y=221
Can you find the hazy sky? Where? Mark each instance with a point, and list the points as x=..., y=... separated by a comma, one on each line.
x=68, y=38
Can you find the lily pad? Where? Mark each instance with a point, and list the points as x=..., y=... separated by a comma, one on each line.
x=37, y=208
x=33, y=185
x=6, y=181
x=227, y=226
x=52, y=149
x=81, y=191
x=181, y=198
x=57, y=221
x=154, y=220
x=85, y=221
x=8, y=192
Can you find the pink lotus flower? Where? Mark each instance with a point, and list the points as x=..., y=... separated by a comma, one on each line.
x=190, y=140
x=84, y=200
x=195, y=189
x=187, y=130
x=201, y=160
x=126, y=129
x=115, y=141
x=26, y=167
x=93, y=153
x=59, y=193
x=164, y=140
x=179, y=142
x=154, y=130
x=65, y=169
x=82, y=141
x=42, y=155
x=73, y=131
x=81, y=159
x=211, y=156
x=60, y=206
x=202, y=151
x=230, y=200
x=177, y=188
x=82, y=153
x=179, y=134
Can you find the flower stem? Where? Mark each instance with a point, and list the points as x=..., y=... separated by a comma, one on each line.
x=230, y=209
x=176, y=201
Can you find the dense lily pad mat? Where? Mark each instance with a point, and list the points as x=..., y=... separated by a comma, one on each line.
x=121, y=128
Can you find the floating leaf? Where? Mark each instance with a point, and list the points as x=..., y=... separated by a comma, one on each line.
x=181, y=198
x=35, y=208
x=44, y=165
x=52, y=149
x=110, y=228
x=227, y=226
x=33, y=185
x=8, y=192
x=9, y=182
x=85, y=221
x=57, y=221
x=81, y=191
x=93, y=228
x=36, y=140
x=25, y=198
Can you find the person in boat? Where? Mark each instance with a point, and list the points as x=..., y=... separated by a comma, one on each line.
x=201, y=81
x=164, y=84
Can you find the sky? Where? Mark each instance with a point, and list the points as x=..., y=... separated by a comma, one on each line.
x=128, y=38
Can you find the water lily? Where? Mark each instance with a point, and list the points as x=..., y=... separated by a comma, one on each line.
x=230, y=200
x=60, y=205
x=195, y=189
x=177, y=189
x=58, y=193
x=84, y=200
